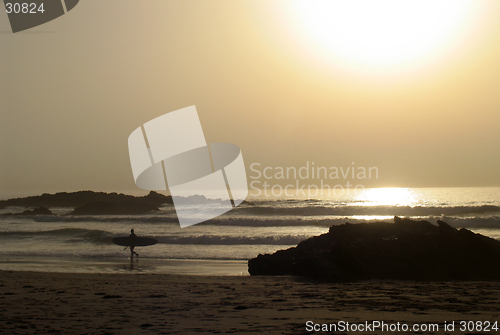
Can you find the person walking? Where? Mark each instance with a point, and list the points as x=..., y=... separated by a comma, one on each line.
x=133, y=239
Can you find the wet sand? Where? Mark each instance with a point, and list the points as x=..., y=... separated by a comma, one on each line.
x=72, y=303
x=205, y=267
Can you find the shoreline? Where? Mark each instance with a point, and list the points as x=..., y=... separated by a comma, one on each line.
x=119, y=303
x=195, y=267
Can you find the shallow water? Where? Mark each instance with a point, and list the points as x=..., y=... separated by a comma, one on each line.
x=125, y=265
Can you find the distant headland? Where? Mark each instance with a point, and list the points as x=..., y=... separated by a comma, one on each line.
x=94, y=203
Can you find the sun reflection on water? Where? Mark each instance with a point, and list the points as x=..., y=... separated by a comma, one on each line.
x=391, y=196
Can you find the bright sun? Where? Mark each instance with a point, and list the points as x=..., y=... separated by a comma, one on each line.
x=382, y=32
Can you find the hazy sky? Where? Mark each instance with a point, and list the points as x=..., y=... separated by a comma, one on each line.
x=72, y=91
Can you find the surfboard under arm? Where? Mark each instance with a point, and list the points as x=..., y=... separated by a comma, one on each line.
x=139, y=241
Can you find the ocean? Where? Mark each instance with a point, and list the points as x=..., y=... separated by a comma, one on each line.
x=222, y=246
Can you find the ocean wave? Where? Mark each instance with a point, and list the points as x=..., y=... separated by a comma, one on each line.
x=456, y=218
x=108, y=218
x=305, y=210
x=471, y=222
x=104, y=237
x=262, y=221
x=67, y=234
x=234, y=240
x=324, y=210
x=489, y=222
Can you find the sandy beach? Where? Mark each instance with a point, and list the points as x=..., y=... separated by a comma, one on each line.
x=68, y=303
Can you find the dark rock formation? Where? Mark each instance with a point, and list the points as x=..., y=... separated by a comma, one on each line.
x=76, y=199
x=403, y=250
x=114, y=208
x=38, y=211
x=35, y=211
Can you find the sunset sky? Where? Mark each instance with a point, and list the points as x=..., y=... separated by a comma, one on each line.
x=411, y=89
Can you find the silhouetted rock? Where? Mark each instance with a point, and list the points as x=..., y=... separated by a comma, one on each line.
x=76, y=199
x=38, y=211
x=114, y=208
x=403, y=250
x=35, y=211
x=155, y=198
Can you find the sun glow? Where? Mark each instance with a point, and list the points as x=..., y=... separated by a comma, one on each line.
x=382, y=32
x=388, y=197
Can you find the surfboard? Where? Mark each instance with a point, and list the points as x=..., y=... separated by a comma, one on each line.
x=139, y=241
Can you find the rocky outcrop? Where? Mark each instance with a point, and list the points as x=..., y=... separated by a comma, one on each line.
x=114, y=208
x=403, y=250
x=76, y=199
x=35, y=211
x=38, y=211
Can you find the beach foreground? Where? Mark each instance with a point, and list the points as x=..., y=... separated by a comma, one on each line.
x=69, y=303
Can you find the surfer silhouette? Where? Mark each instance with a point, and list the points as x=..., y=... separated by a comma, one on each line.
x=133, y=239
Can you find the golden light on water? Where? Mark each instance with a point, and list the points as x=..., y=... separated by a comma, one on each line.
x=384, y=32
x=388, y=197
